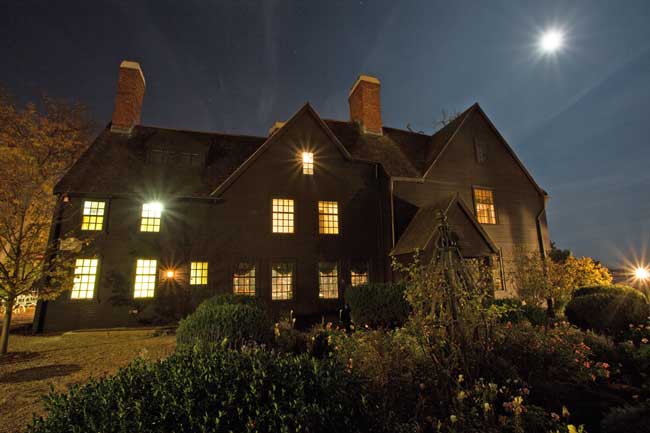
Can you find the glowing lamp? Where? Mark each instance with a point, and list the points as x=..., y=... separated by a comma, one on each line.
x=170, y=274
x=551, y=41
x=641, y=274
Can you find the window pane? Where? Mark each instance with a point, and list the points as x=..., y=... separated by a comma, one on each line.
x=198, y=273
x=93, y=215
x=328, y=281
x=307, y=163
x=243, y=280
x=151, y=213
x=328, y=217
x=358, y=274
x=85, y=275
x=282, y=281
x=145, y=278
x=485, y=210
x=282, y=215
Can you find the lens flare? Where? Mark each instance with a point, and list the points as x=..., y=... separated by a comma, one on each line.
x=551, y=41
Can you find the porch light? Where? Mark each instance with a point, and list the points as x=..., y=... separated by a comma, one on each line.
x=641, y=274
x=170, y=274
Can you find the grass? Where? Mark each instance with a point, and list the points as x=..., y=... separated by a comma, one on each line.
x=35, y=363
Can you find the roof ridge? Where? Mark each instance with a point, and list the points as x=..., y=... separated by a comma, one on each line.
x=350, y=122
x=261, y=137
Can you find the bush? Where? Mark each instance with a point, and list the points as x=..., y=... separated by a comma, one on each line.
x=617, y=289
x=628, y=419
x=218, y=322
x=514, y=312
x=377, y=304
x=607, y=312
x=217, y=391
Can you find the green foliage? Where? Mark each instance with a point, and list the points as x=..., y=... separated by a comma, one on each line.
x=287, y=338
x=608, y=311
x=628, y=419
x=213, y=391
x=617, y=289
x=225, y=321
x=377, y=304
x=513, y=311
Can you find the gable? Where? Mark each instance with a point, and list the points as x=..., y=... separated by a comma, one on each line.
x=454, y=151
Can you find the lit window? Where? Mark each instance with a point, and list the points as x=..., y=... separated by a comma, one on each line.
x=282, y=281
x=93, y=215
x=151, y=213
x=85, y=275
x=307, y=163
x=243, y=279
x=198, y=273
x=485, y=211
x=328, y=217
x=282, y=215
x=328, y=281
x=359, y=274
x=145, y=278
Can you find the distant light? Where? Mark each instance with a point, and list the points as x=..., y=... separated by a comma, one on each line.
x=641, y=274
x=551, y=41
x=170, y=274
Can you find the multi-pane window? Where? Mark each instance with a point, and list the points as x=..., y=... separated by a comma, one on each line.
x=282, y=275
x=85, y=276
x=243, y=279
x=145, y=278
x=328, y=217
x=484, y=202
x=282, y=215
x=151, y=213
x=198, y=273
x=328, y=280
x=93, y=215
x=358, y=274
x=307, y=163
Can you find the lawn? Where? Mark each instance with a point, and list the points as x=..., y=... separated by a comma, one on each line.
x=37, y=362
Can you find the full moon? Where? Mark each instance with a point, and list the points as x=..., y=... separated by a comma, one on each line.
x=551, y=41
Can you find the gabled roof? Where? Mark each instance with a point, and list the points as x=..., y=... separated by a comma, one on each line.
x=423, y=228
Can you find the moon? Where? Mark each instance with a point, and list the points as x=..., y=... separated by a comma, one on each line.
x=551, y=41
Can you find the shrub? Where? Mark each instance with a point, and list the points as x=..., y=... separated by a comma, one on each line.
x=217, y=391
x=617, y=289
x=217, y=322
x=377, y=304
x=628, y=419
x=607, y=312
x=513, y=311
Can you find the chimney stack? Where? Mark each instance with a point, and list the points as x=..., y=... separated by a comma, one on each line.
x=128, y=100
x=365, y=105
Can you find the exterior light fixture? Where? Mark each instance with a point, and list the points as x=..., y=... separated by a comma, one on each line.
x=641, y=274
x=170, y=274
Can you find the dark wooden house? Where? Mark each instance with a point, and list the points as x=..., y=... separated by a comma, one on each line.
x=292, y=218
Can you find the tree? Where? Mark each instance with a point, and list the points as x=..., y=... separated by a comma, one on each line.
x=558, y=255
x=38, y=143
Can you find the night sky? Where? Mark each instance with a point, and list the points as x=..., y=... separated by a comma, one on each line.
x=580, y=119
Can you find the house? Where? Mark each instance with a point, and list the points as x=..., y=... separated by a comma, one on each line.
x=292, y=218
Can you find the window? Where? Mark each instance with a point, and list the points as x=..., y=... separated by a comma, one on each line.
x=243, y=279
x=85, y=275
x=497, y=272
x=307, y=163
x=93, y=215
x=145, y=278
x=484, y=202
x=151, y=213
x=328, y=281
x=358, y=274
x=198, y=273
x=480, y=150
x=172, y=158
x=282, y=281
x=328, y=217
x=282, y=215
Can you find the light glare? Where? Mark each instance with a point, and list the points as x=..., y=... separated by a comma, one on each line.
x=641, y=274
x=551, y=41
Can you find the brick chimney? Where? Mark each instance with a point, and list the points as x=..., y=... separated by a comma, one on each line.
x=128, y=100
x=365, y=104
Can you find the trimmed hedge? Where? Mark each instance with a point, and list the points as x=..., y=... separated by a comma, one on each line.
x=617, y=289
x=607, y=311
x=377, y=304
x=227, y=321
x=212, y=391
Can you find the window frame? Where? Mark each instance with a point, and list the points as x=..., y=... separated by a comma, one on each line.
x=338, y=217
x=294, y=265
x=337, y=267
x=295, y=218
x=96, y=283
x=494, y=204
x=307, y=166
x=156, y=275
x=207, y=273
x=255, y=277
x=142, y=217
x=103, y=216
x=359, y=262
